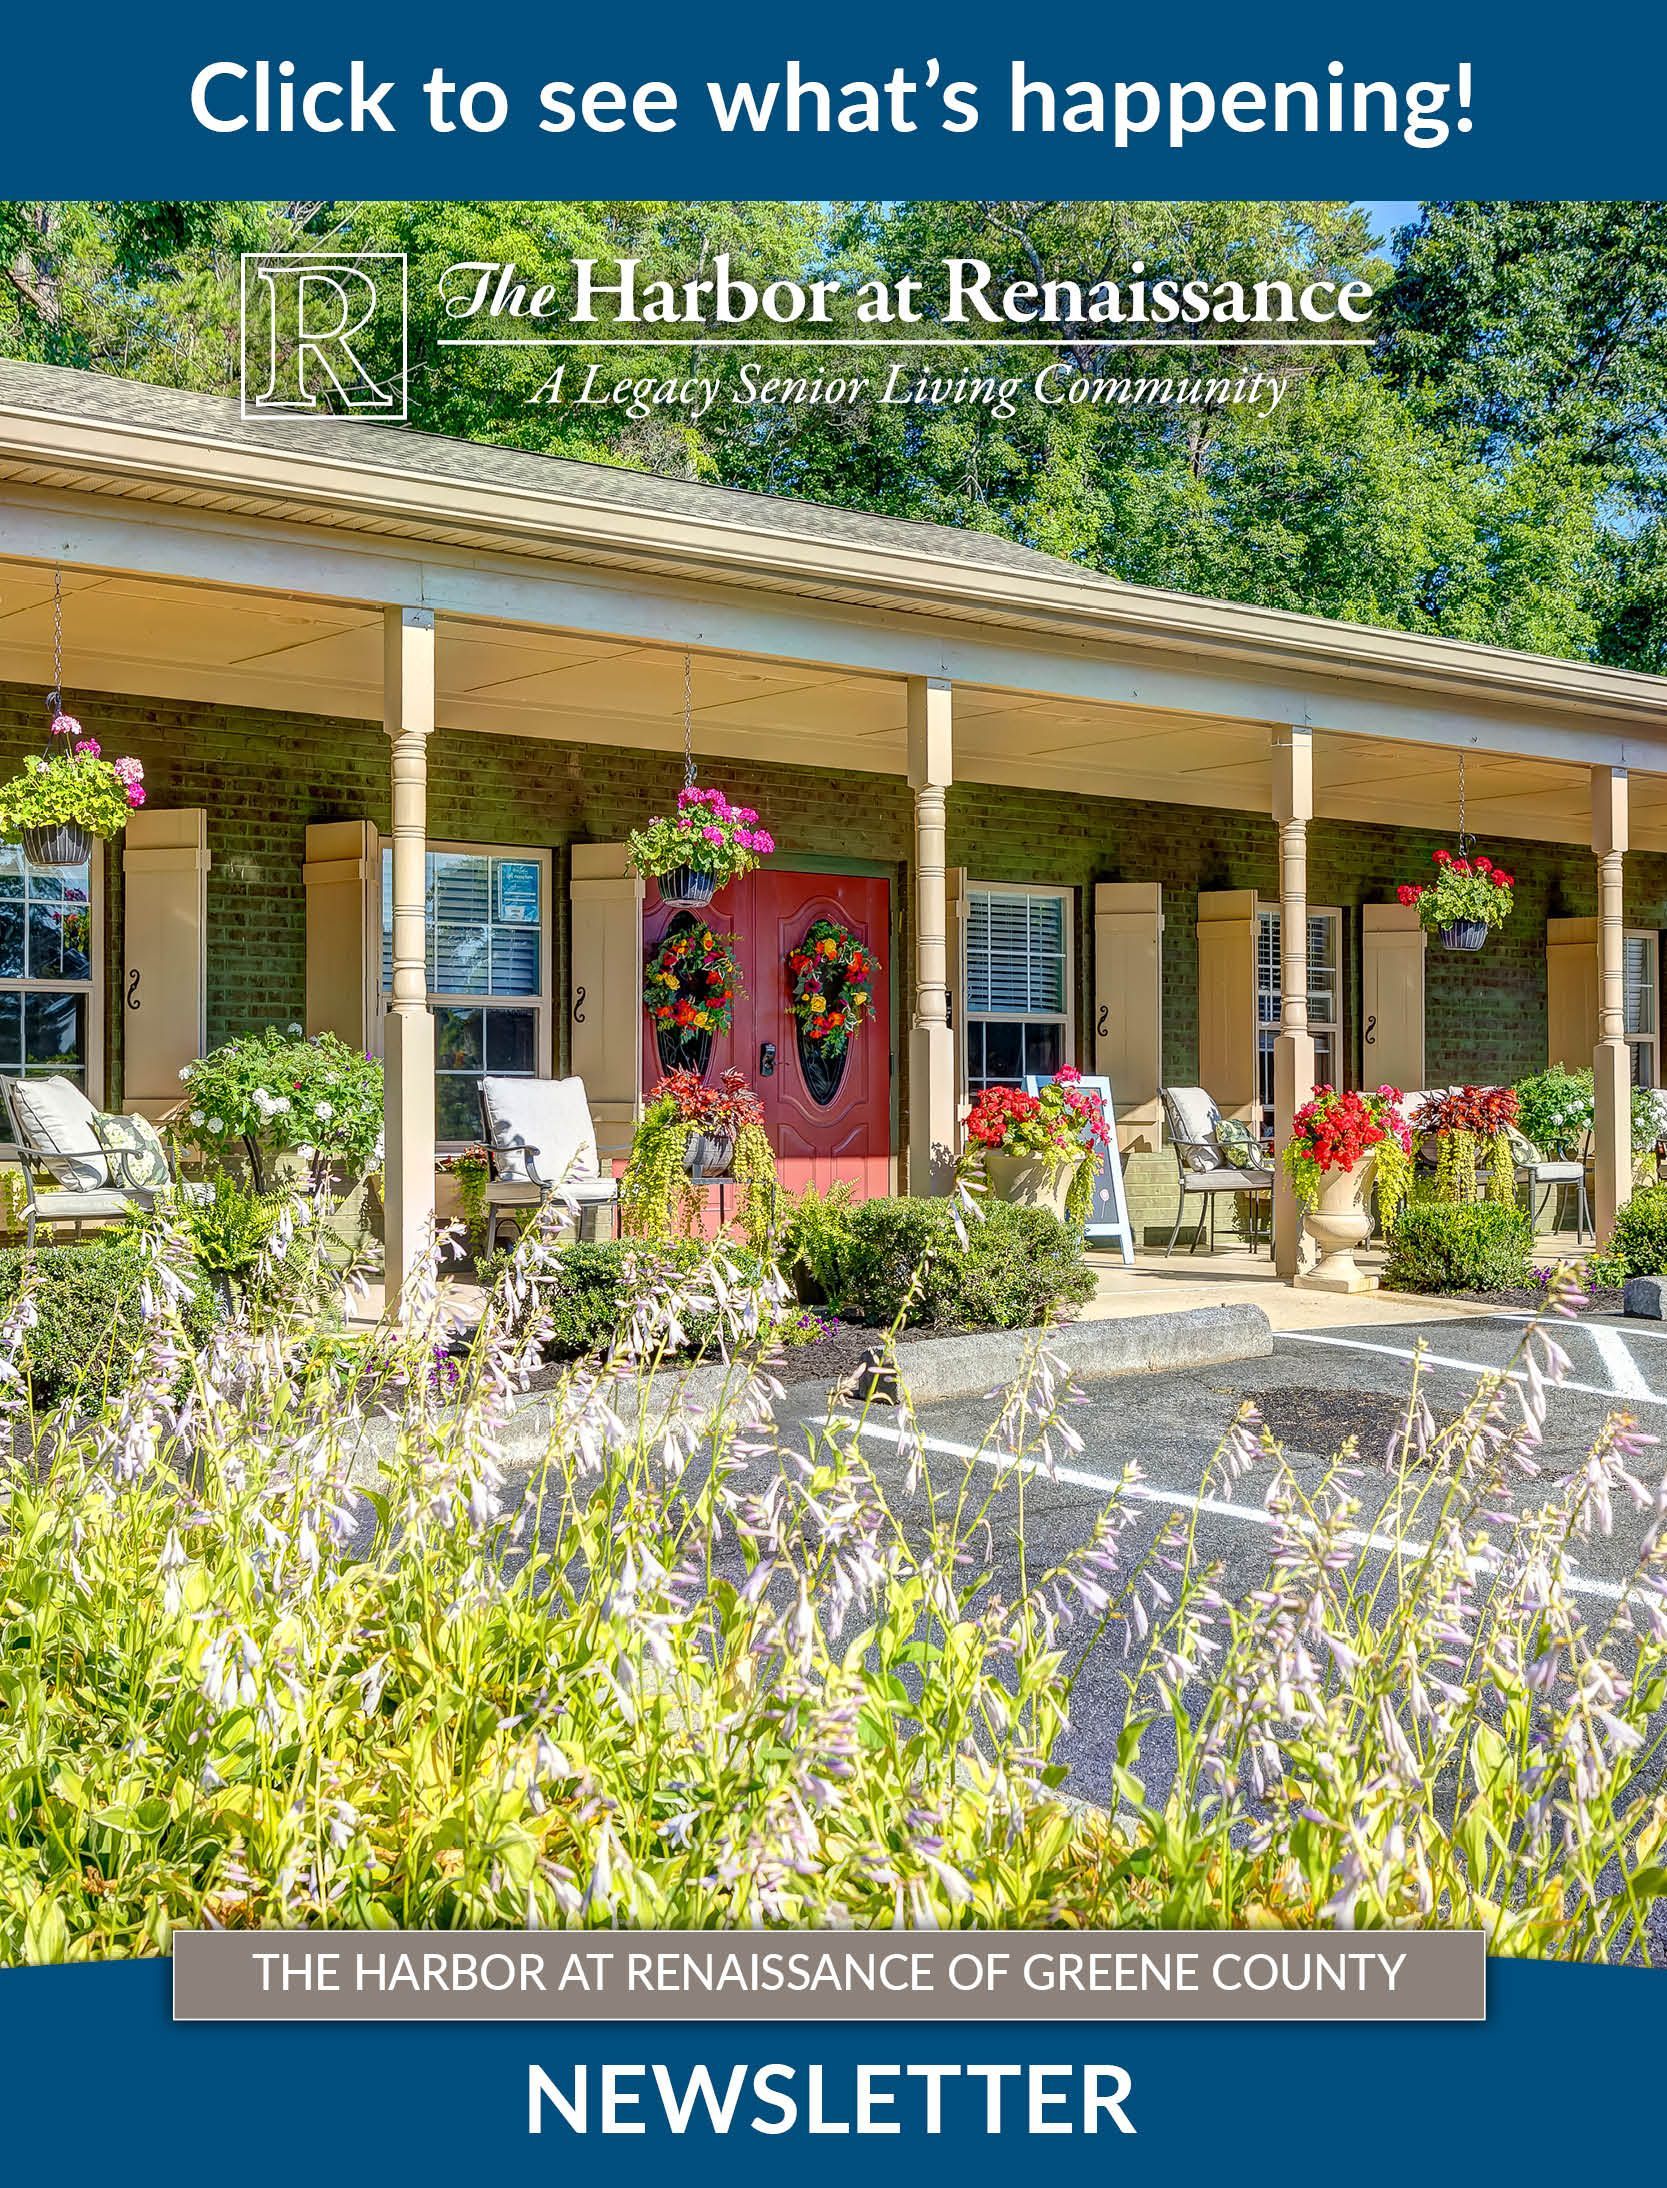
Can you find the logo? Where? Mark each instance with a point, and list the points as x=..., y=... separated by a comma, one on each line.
x=324, y=334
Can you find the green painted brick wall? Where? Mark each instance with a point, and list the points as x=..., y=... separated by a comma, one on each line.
x=264, y=775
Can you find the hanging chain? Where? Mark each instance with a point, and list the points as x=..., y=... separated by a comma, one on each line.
x=1464, y=840
x=55, y=697
x=688, y=722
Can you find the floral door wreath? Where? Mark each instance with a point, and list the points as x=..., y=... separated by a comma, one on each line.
x=690, y=982
x=833, y=977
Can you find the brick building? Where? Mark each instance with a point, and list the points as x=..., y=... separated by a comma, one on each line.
x=1087, y=817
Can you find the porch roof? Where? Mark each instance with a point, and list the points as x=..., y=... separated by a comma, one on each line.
x=82, y=433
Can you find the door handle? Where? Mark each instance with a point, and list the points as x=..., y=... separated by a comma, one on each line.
x=767, y=1060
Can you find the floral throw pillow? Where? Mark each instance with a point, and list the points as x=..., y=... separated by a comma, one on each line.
x=139, y=1159
x=1239, y=1145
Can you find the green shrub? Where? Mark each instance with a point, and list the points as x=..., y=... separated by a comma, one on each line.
x=1638, y=1244
x=1438, y=1247
x=1018, y=1265
x=815, y=1236
x=586, y=1294
x=88, y=1314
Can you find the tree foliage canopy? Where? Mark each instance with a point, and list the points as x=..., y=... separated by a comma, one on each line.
x=1492, y=465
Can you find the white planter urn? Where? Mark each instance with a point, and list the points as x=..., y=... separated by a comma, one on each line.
x=1028, y=1181
x=1338, y=1223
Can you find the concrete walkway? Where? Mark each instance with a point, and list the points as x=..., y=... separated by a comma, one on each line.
x=1233, y=1276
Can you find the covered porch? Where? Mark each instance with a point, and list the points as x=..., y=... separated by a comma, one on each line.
x=1194, y=783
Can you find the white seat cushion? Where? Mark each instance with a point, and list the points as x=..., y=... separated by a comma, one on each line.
x=89, y=1207
x=1193, y=1116
x=540, y=1130
x=57, y=1115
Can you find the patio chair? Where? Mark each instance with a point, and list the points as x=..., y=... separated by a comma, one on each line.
x=1205, y=1145
x=1553, y=1176
x=543, y=1147
x=80, y=1165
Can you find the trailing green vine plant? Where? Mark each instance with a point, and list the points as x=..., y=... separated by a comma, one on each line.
x=657, y=1201
x=472, y=1168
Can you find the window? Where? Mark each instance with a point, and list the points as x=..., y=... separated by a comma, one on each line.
x=1018, y=984
x=49, y=919
x=1325, y=998
x=1641, y=963
x=488, y=971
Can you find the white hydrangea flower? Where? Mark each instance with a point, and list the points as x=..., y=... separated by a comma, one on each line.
x=196, y=1116
x=217, y=1124
x=295, y=1029
x=324, y=1112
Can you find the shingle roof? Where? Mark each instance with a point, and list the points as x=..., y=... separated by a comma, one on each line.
x=56, y=389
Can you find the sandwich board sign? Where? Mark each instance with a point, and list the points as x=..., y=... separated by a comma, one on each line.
x=1108, y=1217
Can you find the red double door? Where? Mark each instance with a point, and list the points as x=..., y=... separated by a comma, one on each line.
x=766, y=913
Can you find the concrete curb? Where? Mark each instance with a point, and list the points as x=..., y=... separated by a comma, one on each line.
x=934, y=1371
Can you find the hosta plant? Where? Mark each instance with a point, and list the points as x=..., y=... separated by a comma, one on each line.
x=666, y=1667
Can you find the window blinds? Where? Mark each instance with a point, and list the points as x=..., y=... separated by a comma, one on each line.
x=1015, y=953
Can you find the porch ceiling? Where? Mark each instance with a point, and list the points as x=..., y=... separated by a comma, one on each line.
x=174, y=640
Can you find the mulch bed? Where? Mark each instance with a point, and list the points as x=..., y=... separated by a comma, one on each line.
x=827, y=1360
x=1531, y=1299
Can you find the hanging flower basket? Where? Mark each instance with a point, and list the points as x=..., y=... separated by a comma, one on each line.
x=689, y=987
x=694, y=851
x=831, y=996
x=67, y=796
x=1464, y=934
x=688, y=888
x=64, y=843
x=1468, y=898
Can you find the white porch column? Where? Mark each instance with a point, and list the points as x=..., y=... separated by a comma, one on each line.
x=931, y=1041
x=1611, y=1060
x=408, y=1028
x=1293, y=1047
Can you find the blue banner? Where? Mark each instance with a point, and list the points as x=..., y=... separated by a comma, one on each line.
x=98, y=2081
x=865, y=101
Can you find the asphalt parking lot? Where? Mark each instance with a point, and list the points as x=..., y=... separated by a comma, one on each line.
x=1318, y=1387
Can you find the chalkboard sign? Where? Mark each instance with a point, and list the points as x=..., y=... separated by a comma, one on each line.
x=1108, y=1218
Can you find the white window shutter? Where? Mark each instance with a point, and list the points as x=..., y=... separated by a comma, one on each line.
x=1392, y=952
x=165, y=951
x=344, y=932
x=1571, y=992
x=1128, y=1003
x=1227, y=931
x=605, y=986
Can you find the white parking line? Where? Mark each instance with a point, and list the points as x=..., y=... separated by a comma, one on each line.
x=1475, y=1369
x=1147, y=1492
x=1624, y=1371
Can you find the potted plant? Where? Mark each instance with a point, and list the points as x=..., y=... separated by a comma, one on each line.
x=689, y=1129
x=306, y=1113
x=1467, y=899
x=1038, y=1149
x=1339, y=1141
x=67, y=795
x=831, y=995
x=1471, y=1126
x=689, y=987
x=693, y=851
